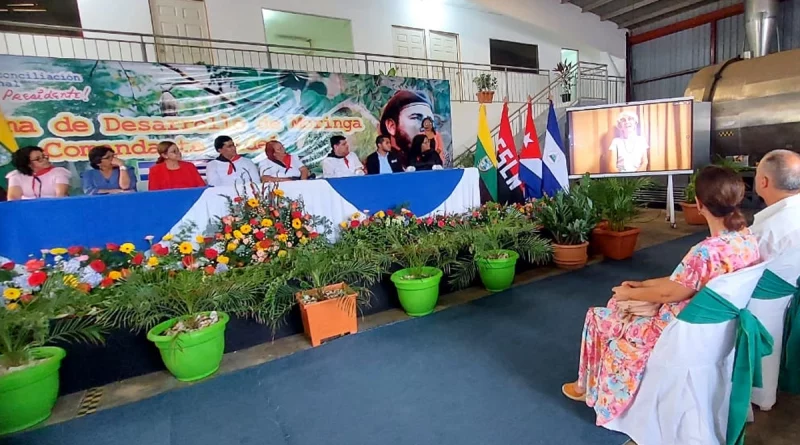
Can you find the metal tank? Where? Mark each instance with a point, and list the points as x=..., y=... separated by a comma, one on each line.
x=755, y=102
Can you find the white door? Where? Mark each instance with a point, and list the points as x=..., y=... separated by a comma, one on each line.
x=409, y=42
x=444, y=47
x=181, y=18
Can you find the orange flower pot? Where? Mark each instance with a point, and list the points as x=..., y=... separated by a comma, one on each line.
x=485, y=97
x=323, y=320
x=691, y=215
x=571, y=256
x=615, y=245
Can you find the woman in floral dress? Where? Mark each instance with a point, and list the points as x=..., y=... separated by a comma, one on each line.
x=618, y=339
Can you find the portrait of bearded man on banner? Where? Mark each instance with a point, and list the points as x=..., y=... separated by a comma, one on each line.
x=402, y=118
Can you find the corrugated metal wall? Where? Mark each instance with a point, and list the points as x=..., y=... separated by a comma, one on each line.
x=662, y=67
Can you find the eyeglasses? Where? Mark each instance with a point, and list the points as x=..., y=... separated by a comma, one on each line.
x=41, y=158
x=109, y=156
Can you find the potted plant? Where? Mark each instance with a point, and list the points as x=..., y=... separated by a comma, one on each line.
x=36, y=309
x=487, y=85
x=328, y=278
x=691, y=215
x=422, y=260
x=566, y=74
x=614, y=199
x=569, y=219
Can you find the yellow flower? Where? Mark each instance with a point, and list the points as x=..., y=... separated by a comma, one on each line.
x=12, y=293
x=200, y=239
x=186, y=248
x=266, y=222
x=355, y=216
x=380, y=214
x=283, y=237
x=237, y=234
x=12, y=306
x=281, y=253
x=58, y=251
x=297, y=224
x=127, y=248
x=167, y=237
x=279, y=193
x=304, y=240
x=231, y=247
x=247, y=228
x=152, y=261
x=252, y=202
x=71, y=280
x=115, y=275
x=343, y=225
x=228, y=236
x=222, y=259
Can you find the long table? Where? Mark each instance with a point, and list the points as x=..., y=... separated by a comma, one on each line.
x=27, y=227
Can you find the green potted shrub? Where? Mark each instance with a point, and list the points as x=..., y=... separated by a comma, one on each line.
x=334, y=280
x=487, y=85
x=29, y=321
x=422, y=260
x=691, y=215
x=566, y=73
x=615, y=201
x=569, y=219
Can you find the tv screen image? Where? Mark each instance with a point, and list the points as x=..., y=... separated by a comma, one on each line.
x=631, y=138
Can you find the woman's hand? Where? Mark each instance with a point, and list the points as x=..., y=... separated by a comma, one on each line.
x=116, y=162
x=622, y=293
x=632, y=284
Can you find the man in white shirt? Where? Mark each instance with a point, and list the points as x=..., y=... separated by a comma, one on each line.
x=340, y=162
x=778, y=183
x=229, y=168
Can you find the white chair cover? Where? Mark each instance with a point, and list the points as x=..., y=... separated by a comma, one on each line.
x=771, y=314
x=684, y=394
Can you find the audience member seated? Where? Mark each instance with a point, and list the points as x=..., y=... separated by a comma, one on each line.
x=617, y=340
x=229, y=168
x=170, y=172
x=108, y=175
x=383, y=160
x=341, y=162
x=281, y=166
x=423, y=155
x=35, y=177
x=430, y=131
x=778, y=183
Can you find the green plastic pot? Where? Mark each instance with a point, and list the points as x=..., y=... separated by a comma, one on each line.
x=497, y=274
x=27, y=397
x=418, y=296
x=194, y=355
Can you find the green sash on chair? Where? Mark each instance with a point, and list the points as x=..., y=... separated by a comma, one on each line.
x=771, y=287
x=752, y=343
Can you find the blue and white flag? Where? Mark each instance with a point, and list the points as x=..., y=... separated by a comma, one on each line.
x=554, y=169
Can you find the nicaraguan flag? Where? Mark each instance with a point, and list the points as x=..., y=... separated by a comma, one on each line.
x=554, y=161
x=530, y=159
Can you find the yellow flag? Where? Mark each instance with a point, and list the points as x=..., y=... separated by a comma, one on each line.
x=6, y=136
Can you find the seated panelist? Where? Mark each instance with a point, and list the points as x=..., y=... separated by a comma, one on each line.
x=171, y=172
x=423, y=155
x=35, y=177
x=281, y=166
x=230, y=169
x=383, y=160
x=108, y=175
x=341, y=162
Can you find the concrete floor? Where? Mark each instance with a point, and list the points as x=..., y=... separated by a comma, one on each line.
x=777, y=427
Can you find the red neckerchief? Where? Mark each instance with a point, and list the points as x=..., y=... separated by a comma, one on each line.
x=287, y=161
x=346, y=162
x=36, y=179
x=231, y=167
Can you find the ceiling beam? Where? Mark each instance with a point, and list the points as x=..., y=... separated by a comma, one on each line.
x=672, y=7
x=626, y=9
x=594, y=5
x=683, y=25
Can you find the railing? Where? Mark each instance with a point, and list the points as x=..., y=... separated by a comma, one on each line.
x=513, y=82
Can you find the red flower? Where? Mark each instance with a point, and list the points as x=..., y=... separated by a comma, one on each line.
x=476, y=214
x=220, y=236
x=298, y=234
x=237, y=199
x=296, y=215
x=8, y=266
x=313, y=235
x=228, y=229
x=159, y=250
x=253, y=222
x=279, y=226
x=419, y=220
x=138, y=259
x=208, y=240
x=98, y=266
x=209, y=270
x=307, y=217
x=187, y=260
x=389, y=213
x=453, y=222
x=429, y=221
x=84, y=287
x=211, y=254
x=107, y=282
x=440, y=223
x=37, y=278
x=276, y=213
x=264, y=244
x=259, y=235
x=75, y=250
x=95, y=250
x=33, y=265
x=27, y=298
x=112, y=247
x=354, y=223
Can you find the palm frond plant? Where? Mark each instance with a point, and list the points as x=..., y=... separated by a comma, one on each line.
x=691, y=215
x=568, y=218
x=615, y=199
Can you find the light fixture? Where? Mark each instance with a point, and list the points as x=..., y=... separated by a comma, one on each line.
x=27, y=10
x=22, y=5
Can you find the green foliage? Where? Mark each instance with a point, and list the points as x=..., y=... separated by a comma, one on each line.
x=568, y=217
x=435, y=249
x=614, y=199
x=567, y=72
x=690, y=192
x=485, y=82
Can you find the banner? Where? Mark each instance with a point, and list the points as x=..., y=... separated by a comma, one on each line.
x=68, y=106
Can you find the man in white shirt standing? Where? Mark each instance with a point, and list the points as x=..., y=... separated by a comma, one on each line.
x=778, y=183
x=340, y=162
x=229, y=168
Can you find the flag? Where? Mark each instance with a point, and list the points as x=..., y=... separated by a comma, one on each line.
x=530, y=171
x=8, y=145
x=554, y=161
x=509, y=187
x=485, y=158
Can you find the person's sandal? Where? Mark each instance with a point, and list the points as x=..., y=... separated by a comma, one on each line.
x=570, y=390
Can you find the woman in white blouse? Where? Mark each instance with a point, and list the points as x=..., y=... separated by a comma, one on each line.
x=281, y=166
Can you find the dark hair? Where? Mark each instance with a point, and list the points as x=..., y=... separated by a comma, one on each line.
x=96, y=155
x=336, y=140
x=220, y=141
x=21, y=159
x=416, y=144
x=380, y=139
x=721, y=190
x=433, y=124
x=396, y=104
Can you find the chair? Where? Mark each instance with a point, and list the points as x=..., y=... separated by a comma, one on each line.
x=684, y=395
x=769, y=304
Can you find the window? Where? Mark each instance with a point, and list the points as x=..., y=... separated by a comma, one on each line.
x=514, y=54
x=45, y=12
x=304, y=33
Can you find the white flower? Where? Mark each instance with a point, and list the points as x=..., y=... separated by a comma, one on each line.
x=21, y=281
x=221, y=268
x=90, y=277
x=71, y=266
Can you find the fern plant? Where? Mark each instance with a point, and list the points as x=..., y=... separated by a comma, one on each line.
x=615, y=200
